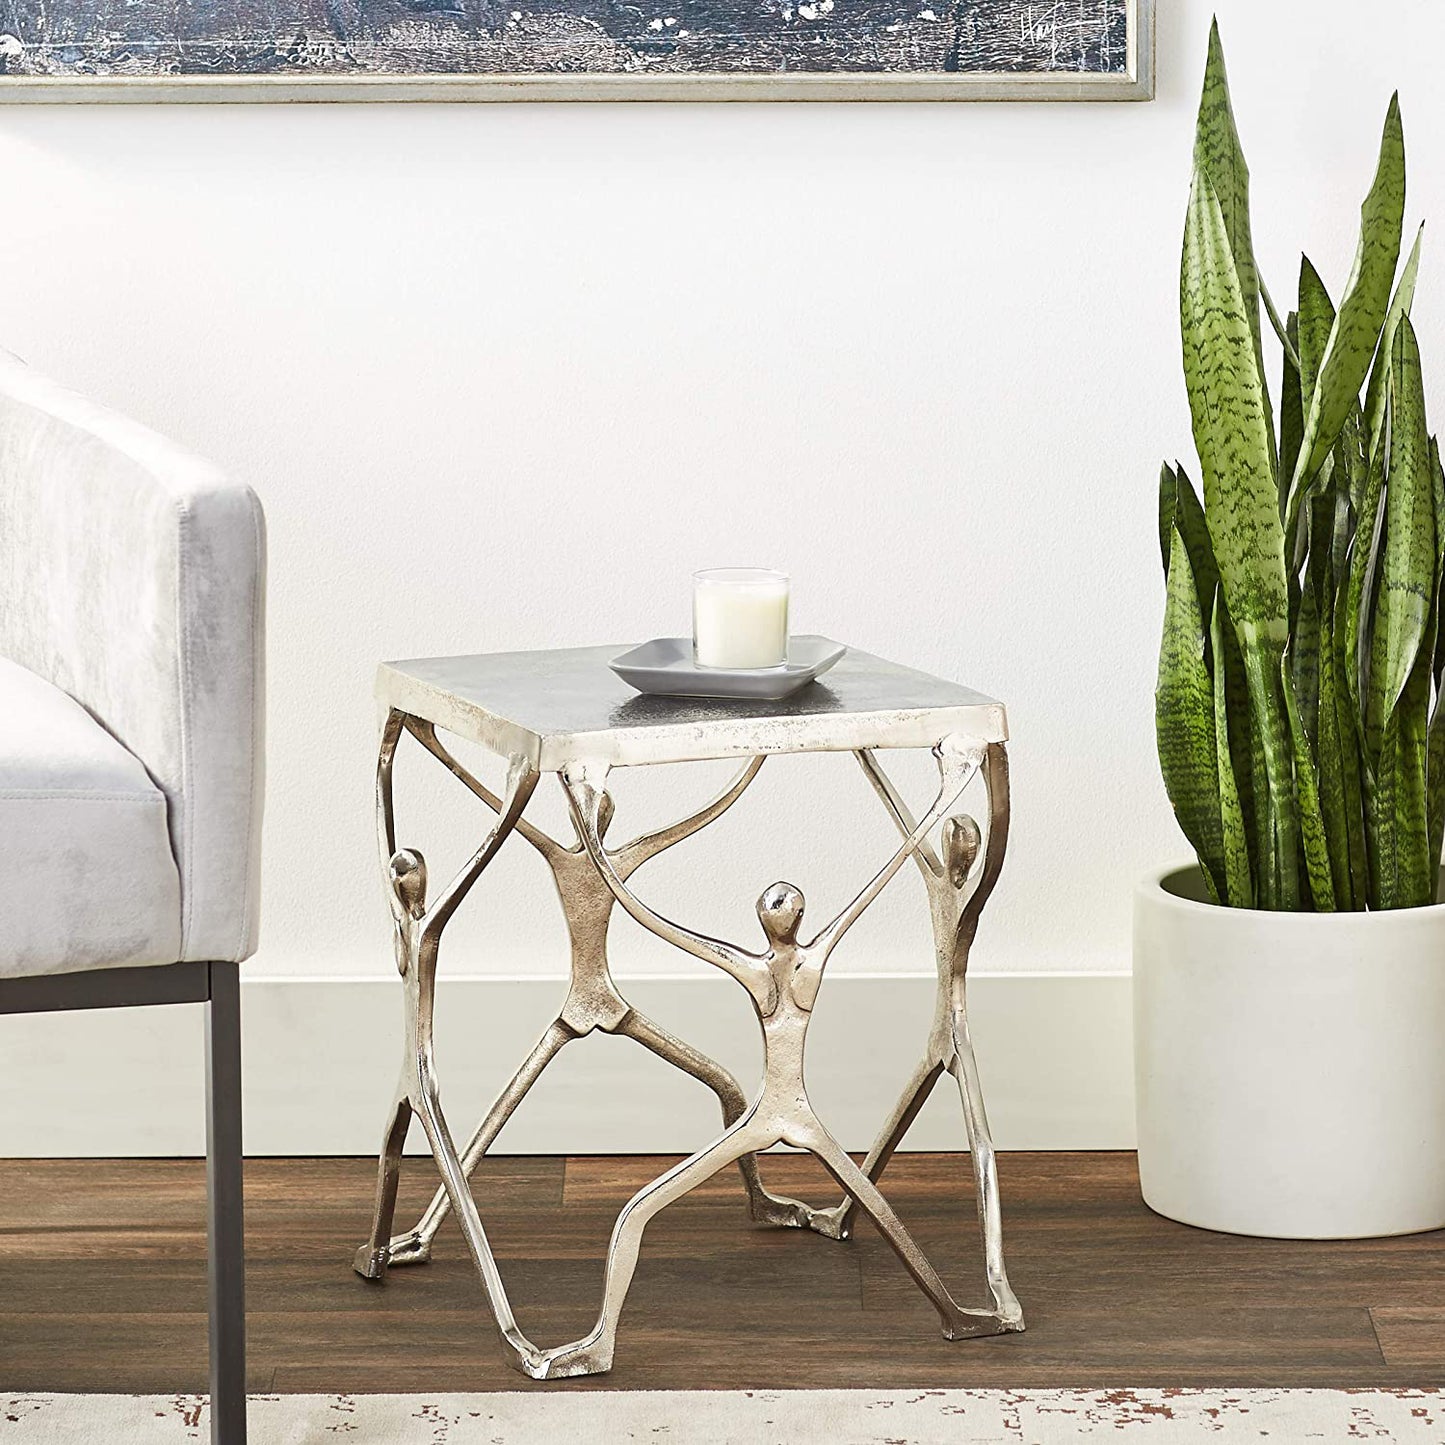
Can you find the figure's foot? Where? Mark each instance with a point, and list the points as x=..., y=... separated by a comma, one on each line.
x=975, y=1324
x=592, y=1356
x=371, y=1263
x=413, y=1247
x=780, y=1213
x=834, y=1223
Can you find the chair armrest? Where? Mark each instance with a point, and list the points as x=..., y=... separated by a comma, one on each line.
x=132, y=575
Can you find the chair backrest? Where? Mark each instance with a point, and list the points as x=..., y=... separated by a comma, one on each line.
x=132, y=575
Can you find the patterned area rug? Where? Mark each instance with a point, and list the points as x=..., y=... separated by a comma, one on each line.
x=751, y=1417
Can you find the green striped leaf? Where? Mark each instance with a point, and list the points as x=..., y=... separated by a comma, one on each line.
x=1238, y=882
x=1246, y=749
x=1312, y=822
x=1219, y=156
x=1435, y=791
x=1329, y=752
x=1227, y=404
x=1435, y=734
x=1316, y=321
x=1307, y=639
x=1400, y=304
x=1304, y=651
x=1405, y=876
x=1402, y=653
x=1348, y=728
x=1184, y=721
x=1342, y=531
x=1437, y=477
x=1226, y=401
x=1419, y=874
x=1409, y=560
x=1304, y=643
x=1279, y=871
x=1291, y=410
x=1352, y=454
x=1247, y=755
x=1437, y=488
x=1359, y=602
x=1168, y=502
x=1362, y=312
x=1189, y=518
x=1423, y=860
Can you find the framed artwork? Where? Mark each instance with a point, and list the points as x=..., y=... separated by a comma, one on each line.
x=259, y=50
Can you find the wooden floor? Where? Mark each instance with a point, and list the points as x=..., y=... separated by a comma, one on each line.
x=102, y=1285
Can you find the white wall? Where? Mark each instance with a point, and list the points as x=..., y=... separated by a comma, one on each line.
x=503, y=375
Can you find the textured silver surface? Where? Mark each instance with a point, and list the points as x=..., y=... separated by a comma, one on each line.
x=556, y=707
x=541, y=699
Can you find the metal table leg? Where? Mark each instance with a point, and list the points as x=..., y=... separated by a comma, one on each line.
x=417, y=934
x=955, y=910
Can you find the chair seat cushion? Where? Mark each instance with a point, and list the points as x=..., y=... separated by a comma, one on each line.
x=91, y=881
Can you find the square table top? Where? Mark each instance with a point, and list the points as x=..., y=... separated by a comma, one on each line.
x=565, y=705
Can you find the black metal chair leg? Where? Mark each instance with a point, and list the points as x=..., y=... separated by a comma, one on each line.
x=224, y=1214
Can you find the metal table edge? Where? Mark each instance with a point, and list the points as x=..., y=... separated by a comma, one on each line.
x=985, y=721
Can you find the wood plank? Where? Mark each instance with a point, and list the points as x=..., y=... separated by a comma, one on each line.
x=610, y=1178
x=1411, y=1338
x=292, y=1192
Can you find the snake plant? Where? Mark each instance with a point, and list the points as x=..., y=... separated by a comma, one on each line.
x=1300, y=730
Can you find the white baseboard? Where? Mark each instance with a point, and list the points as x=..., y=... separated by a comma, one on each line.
x=321, y=1057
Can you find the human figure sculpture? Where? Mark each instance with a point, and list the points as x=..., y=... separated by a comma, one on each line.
x=954, y=907
x=593, y=1001
x=782, y=981
x=416, y=935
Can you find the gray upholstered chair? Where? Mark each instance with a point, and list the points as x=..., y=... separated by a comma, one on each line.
x=132, y=585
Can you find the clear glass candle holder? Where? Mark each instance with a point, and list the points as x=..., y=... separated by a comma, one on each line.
x=740, y=617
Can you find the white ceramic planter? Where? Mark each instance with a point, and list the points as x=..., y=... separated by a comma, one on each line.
x=1289, y=1067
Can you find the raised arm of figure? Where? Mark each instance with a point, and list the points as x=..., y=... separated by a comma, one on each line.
x=927, y=860
x=385, y=812
x=957, y=763
x=632, y=855
x=426, y=734
x=521, y=780
x=995, y=772
x=585, y=786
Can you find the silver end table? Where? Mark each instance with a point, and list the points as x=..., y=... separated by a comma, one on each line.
x=564, y=712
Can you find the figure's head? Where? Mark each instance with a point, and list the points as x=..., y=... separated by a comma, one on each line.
x=780, y=911
x=408, y=881
x=961, y=840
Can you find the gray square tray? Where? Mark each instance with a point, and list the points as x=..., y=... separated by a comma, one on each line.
x=665, y=667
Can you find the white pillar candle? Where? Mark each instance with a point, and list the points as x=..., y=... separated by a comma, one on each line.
x=740, y=617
